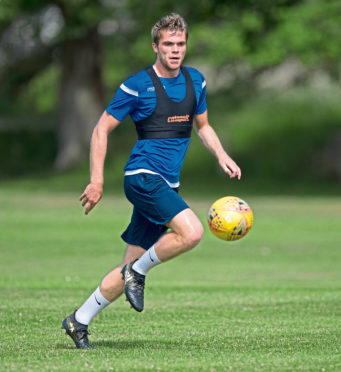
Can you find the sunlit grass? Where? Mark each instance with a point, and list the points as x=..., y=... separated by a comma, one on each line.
x=268, y=302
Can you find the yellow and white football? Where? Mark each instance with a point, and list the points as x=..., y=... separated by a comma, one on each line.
x=230, y=218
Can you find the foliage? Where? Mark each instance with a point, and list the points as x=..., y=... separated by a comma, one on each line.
x=279, y=137
x=261, y=33
x=37, y=95
x=291, y=126
x=253, y=33
x=27, y=151
x=293, y=130
x=309, y=30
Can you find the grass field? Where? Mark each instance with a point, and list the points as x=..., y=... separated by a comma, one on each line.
x=270, y=302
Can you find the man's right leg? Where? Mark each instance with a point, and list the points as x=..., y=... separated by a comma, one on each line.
x=111, y=287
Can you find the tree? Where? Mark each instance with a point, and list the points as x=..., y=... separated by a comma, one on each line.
x=35, y=34
x=68, y=30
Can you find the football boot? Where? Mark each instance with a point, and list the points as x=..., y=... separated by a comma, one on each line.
x=133, y=286
x=77, y=331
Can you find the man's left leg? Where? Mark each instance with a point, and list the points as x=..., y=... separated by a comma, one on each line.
x=186, y=232
x=157, y=204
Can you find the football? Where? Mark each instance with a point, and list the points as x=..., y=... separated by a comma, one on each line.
x=230, y=218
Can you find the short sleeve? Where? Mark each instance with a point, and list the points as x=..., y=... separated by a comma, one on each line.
x=202, y=105
x=199, y=84
x=125, y=100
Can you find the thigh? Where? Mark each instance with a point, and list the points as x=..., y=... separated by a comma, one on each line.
x=142, y=232
x=185, y=223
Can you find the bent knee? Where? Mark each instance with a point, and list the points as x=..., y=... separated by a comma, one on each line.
x=193, y=237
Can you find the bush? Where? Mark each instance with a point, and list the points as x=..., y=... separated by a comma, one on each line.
x=271, y=137
x=26, y=151
x=278, y=138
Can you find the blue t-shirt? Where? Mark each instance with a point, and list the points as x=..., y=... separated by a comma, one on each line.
x=136, y=97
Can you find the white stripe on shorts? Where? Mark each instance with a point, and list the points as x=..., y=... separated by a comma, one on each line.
x=141, y=170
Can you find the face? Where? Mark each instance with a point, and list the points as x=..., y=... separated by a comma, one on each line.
x=171, y=50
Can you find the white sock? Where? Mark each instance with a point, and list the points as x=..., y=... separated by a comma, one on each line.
x=146, y=261
x=91, y=307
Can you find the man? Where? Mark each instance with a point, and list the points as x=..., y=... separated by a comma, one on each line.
x=162, y=100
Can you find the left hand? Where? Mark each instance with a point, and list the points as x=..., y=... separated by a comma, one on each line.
x=230, y=167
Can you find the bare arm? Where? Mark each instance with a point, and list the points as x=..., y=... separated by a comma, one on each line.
x=99, y=139
x=210, y=140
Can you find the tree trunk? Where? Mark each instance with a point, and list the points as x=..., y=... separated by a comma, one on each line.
x=80, y=101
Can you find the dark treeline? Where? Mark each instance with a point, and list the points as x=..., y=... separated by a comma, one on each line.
x=60, y=62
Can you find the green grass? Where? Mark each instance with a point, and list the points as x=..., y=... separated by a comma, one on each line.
x=270, y=302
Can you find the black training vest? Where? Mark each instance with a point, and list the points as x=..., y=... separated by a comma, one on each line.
x=170, y=119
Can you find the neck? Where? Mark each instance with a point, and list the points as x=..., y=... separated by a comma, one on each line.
x=161, y=71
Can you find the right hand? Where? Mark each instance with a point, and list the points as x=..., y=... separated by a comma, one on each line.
x=91, y=196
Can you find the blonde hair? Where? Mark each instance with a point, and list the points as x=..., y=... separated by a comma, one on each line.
x=172, y=22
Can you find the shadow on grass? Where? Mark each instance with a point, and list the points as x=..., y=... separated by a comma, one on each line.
x=125, y=345
x=136, y=344
x=299, y=341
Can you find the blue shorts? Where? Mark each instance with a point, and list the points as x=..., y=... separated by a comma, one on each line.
x=155, y=204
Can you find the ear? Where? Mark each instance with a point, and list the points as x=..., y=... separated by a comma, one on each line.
x=155, y=48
